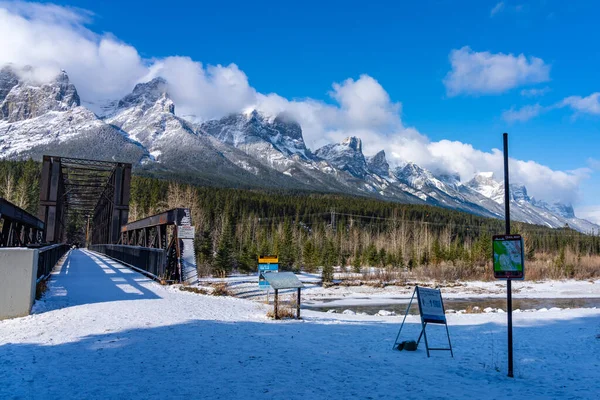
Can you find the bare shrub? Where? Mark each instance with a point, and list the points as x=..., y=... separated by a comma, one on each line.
x=220, y=289
x=286, y=308
x=446, y=271
x=193, y=289
x=473, y=310
x=566, y=265
x=40, y=289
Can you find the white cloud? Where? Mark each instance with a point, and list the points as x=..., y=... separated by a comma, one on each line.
x=579, y=104
x=476, y=73
x=51, y=38
x=102, y=67
x=535, y=92
x=522, y=114
x=591, y=213
x=585, y=105
x=497, y=8
x=203, y=92
x=452, y=156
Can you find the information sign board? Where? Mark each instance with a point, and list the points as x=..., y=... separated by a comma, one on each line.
x=186, y=232
x=430, y=305
x=266, y=265
x=431, y=308
x=509, y=258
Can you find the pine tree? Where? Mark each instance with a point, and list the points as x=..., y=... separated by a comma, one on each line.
x=286, y=249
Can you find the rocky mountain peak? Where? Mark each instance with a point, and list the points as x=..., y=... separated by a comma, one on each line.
x=485, y=184
x=378, y=164
x=284, y=122
x=484, y=178
x=147, y=94
x=248, y=148
x=420, y=178
x=353, y=143
x=411, y=169
x=346, y=156
x=8, y=80
x=564, y=210
x=410, y=172
x=518, y=192
x=26, y=100
x=452, y=179
x=252, y=130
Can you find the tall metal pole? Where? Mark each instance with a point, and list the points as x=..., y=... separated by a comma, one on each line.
x=508, y=283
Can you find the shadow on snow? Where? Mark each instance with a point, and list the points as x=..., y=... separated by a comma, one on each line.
x=305, y=360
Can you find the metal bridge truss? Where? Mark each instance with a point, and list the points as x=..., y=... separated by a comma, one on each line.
x=172, y=232
x=18, y=228
x=72, y=188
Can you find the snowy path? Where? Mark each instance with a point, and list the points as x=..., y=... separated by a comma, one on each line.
x=105, y=332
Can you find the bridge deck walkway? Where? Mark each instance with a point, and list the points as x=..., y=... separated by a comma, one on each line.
x=86, y=277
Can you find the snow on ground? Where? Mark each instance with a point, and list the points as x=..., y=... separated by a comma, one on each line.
x=103, y=331
x=245, y=286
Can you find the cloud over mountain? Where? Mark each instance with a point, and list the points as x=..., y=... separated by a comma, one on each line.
x=104, y=68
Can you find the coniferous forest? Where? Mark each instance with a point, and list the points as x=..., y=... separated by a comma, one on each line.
x=316, y=232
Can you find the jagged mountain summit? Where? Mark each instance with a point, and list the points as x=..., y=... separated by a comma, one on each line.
x=25, y=99
x=46, y=118
x=248, y=149
x=527, y=209
x=346, y=156
x=378, y=164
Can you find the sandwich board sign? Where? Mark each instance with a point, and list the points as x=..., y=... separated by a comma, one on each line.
x=509, y=259
x=431, y=311
x=266, y=264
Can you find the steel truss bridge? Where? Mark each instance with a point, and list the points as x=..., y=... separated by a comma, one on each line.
x=96, y=193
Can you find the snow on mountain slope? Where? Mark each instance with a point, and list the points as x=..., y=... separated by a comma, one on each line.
x=257, y=134
x=378, y=164
x=147, y=115
x=8, y=80
x=41, y=119
x=29, y=100
x=248, y=149
x=346, y=156
x=527, y=209
x=443, y=190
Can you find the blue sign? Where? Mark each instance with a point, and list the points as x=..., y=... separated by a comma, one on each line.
x=265, y=269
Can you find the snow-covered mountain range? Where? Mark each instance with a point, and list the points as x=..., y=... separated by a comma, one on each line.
x=248, y=149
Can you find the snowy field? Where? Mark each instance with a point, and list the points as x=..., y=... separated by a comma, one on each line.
x=245, y=286
x=103, y=331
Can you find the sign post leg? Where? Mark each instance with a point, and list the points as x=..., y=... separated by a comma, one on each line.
x=276, y=305
x=425, y=336
x=405, y=314
x=298, y=305
x=449, y=343
x=447, y=331
x=421, y=334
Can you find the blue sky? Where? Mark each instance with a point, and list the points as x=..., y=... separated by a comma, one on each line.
x=298, y=52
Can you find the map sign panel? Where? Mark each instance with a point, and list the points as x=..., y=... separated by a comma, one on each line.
x=430, y=305
x=266, y=264
x=509, y=260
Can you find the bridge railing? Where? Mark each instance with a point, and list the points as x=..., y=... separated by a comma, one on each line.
x=171, y=231
x=149, y=261
x=48, y=256
x=18, y=228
